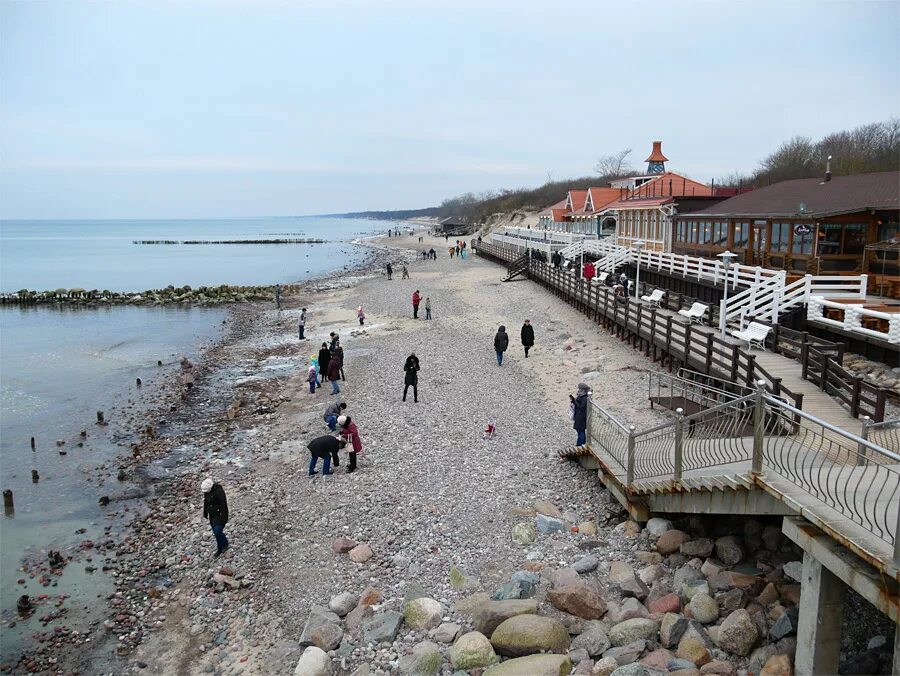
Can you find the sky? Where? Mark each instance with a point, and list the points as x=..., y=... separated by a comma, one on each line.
x=207, y=108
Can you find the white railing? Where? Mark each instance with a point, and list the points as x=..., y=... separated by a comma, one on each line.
x=761, y=301
x=610, y=262
x=853, y=318
x=539, y=234
x=705, y=268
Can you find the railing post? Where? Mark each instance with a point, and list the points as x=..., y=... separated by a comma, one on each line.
x=864, y=434
x=854, y=397
x=759, y=418
x=804, y=353
x=629, y=477
x=897, y=541
x=824, y=373
x=679, y=442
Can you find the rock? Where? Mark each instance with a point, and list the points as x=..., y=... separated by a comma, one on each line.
x=729, y=550
x=730, y=601
x=693, y=650
x=711, y=567
x=445, y=633
x=382, y=627
x=580, y=599
x=670, y=541
x=587, y=528
x=593, y=639
x=759, y=657
x=686, y=573
x=631, y=630
x=628, y=610
x=343, y=603
x=488, y=615
x=563, y=576
x=370, y=597
x=719, y=667
x=703, y=608
x=519, y=589
x=627, y=654
x=361, y=553
x=634, y=587
x=327, y=636
x=423, y=613
x=738, y=633
x=658, y=526
x=670, y=603
x=683, y=667
x=787, y=646
x=671, y=629
x=794, y=570
x=425, y=660
x=771, y=537
x=356, y=617
x=586, y=564
x=313, y=662
x=658, y=660
x=785, y=625
x=523, y=533
x=533, y=665
x=318, y=616
x=631, y=529
x=459, y=580
x=342, y=545
x=546, y=524
x=471, y=651
x=604, y=667
x=547, y=509
x=768, y=595
x=620, y=571
x=701, y=547
x=729, y=579
x=525, y=576
x=692, y=588
x=651, y=558
x=632, y=670
x=651, y=574
x=527, y=634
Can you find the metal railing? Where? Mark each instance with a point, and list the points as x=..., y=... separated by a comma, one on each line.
x=692, y=386
x=885, y=433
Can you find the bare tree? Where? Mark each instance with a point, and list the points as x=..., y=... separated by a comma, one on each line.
x=614, y=165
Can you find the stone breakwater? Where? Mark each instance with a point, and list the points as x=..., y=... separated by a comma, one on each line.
x=301, y=240
x=171, y=295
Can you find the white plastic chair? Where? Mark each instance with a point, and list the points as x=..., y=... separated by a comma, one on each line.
x=695, y=313
x=654, y=298
x=755, y=335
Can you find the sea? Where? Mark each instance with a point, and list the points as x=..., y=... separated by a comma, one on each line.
x=59, y=365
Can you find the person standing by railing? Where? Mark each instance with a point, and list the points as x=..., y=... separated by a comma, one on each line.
x=579, y=413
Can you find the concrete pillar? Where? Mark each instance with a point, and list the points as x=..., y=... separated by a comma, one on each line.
x=819, y=630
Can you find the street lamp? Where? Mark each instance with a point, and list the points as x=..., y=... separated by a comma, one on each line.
x=727, y=257
x=638, y=245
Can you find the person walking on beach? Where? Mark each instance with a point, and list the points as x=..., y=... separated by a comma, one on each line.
x=324, y=359
x=333, y=412
x=301, y=324
x=411, y=379
x=390, y=270
x=579, y=413
x=427, y=308
x=361, y=315
x=501, y=342
x=405, y=272
x=416, y=299
x=452, y=251
x=337, y=353
x=350, y=434
x=312, y=377
x=278, y=296
x=325, y=447
x=527, y=336
x=334, y=373
x=215, y=508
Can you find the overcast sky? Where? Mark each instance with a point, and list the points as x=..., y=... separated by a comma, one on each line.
x=215, y=109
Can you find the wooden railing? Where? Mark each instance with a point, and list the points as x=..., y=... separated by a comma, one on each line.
x=861, y=398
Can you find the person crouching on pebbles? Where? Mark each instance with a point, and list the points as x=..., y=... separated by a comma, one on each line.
x=215, y=508
x=350, y=433
x=333, y=412
x=325, y=447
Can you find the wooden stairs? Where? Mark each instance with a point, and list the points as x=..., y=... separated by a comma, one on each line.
x=699, y=484
x=517, y=267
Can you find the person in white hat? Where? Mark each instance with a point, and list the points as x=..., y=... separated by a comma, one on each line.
x=215, y=508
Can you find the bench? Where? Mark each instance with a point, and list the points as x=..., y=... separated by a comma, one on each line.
x=601, y=278
x=695, y=313
x=654, y=298
x=755, y=335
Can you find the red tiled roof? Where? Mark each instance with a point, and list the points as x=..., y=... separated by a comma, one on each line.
x=638, y=203
x=600, y=197
x=554, y=207
x=577, y=199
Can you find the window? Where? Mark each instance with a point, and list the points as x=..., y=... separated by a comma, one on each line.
x=887, y=231
x=830, y=239
x=681, y=232
x=721, y=234
x=802, y=241
x=781, y=233
x=695, y=226
x=741, y=235
x=855, y=238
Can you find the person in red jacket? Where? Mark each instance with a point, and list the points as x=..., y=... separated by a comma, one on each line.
x=416, y=300
x=350, y=433
x=589, y=272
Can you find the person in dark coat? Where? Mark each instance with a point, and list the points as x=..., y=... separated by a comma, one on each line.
x=501, y=342
x=324, y=358
x=350, y=435
x=390, y=270
x=325, y=447
x=334, y=373
x=580, y=404
x=411, y=379
x=215, y=508
x=527, y=336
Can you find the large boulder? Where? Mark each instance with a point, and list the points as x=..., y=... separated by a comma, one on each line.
x=327, y=636
x=382, y=627
x=423, y=613
x=658, y=526
x=425, y=660
x=631, y=630
x=670, y=541
x=318, y=616
x=313, y=662
x=472, y=651
x=529, y=634
x=488, y=615
x=702, y=547
x=580, y=599
x=533, y=665
x=738, y=633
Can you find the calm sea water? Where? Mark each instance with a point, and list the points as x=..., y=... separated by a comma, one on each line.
x=59, y=365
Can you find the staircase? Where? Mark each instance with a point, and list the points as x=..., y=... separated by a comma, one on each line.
x=613, y=260
x=517, y=267
x=574, y=250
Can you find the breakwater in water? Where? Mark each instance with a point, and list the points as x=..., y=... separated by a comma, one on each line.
x=300, y=240
x=182, y=295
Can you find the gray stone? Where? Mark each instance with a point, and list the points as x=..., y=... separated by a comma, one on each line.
x=877, y=643
x=547, y=524
x=627, y=654
x=794, y=570
x=318, y=616
x=704, y=609
x=533, y=665
x=658, y=526
x=593, y=639
x=759, y=657
x=519, y=589
x=527, y=634
x=343, y=603
x=523, y=533
x=729, y=550
x=586, y=564
x=629, y=609
x=687, y=573
x=634, y=669
x=731, y=600
x=327, y=636
x=629, y=631
x=690, y=589
x=525, y=576
x=701, y=547
x=423, y=613
x=425, y=660
x=677, y=664
x=635, y=587
x=487, y=616
x=313, y=662
x=471, y=651
x=785, y=625
x=671, y=629
x=738, y=633
x=445, y=633
x=382, y=627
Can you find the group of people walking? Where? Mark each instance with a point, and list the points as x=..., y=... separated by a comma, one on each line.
x=327, y=365
x=458, y=250
x=501, y=340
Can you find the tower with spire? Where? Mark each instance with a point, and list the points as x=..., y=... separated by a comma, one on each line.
x=656, y=163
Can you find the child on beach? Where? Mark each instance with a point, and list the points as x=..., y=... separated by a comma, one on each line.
x=405, y=273
x=312, y=378
x=427, y=307
x=361, y=315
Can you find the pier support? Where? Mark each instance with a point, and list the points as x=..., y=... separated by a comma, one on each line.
x=819, y=630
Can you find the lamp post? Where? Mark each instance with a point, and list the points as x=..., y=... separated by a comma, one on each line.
x=727, y=257
x=638, y=245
